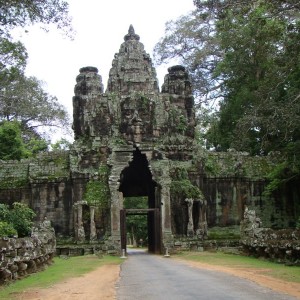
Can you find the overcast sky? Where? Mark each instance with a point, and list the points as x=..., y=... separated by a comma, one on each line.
x=100, y=28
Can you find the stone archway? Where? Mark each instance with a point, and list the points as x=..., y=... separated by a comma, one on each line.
x=136, y=181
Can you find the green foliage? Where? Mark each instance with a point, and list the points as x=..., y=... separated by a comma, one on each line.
x=11, y=144
x=61, y=144
x=177, y=121
x=144, y=102
x=185, y=189
x=14, y=14
x=224, y=233
x=182, y=187
x=18, y=218
x=4, y=212
x=35, y=146
x=12, y=183
x=23, y=98
x=259, y=111
x=244, y=56
x=298, y=223
x=97, y=190
x=192, y=40
x=21, y=217
x=286, y=171
x=14, y=145
x=7, y=229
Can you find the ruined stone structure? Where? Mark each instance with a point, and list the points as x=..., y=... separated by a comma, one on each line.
x=281, y=246
x=22, y=256
x=129, y=127
x=134, y=140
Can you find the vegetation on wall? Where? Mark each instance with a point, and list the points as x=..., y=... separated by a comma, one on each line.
x=97, y=190
x=182, y=187
x=13, y=183
x=16, y=221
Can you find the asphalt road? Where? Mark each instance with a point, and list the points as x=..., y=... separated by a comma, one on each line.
x=145, y=277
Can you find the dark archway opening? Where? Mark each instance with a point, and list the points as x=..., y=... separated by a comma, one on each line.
x=136, y=181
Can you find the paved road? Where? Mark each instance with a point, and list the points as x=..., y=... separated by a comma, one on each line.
x=149, y=277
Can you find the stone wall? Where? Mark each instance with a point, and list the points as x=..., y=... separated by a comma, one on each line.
x=277, y=245
x=51, y=185
x=22, y=256
x=281, y=246
x=44, y=184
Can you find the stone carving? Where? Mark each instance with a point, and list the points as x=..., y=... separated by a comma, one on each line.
x=79, y=233
x=93, y=234
x=190, y=226
x=281, y=245
x=251, y=223
x=201, y=232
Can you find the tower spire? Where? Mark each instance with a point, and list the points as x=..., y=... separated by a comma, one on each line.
x=131, y=35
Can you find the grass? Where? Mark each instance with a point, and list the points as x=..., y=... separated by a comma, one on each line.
x=276, y=270
x=62, y=269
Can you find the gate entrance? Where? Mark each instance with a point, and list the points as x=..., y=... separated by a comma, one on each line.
x=153, y=220
x=136, y=181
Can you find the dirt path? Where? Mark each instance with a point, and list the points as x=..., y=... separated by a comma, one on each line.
x=100, y=284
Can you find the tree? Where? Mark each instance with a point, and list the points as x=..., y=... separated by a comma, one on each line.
x=260, y=71
x=192, y=40
x=245, y=55
x=136, y=225
x=253, y=48
x=18, y=218
x=14, y=146
x=24, y=13
x=23, y=99
x=11, y=144
x=61, y=144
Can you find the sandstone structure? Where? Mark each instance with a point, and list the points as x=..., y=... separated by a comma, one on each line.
x=281, y=246
x=22, y=256
x=134, y=140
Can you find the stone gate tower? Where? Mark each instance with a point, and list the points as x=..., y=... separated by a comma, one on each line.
x=136, y=131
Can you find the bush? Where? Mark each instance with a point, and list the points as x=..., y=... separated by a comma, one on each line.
x=7, y=230
x=19, y=218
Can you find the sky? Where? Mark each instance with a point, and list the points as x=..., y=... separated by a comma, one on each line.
x=100, y=27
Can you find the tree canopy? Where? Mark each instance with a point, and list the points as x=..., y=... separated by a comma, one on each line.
x=14, y=13
x=244, y=56
x=23, y=99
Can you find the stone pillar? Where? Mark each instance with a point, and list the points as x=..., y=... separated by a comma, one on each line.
x=202, y=222
x=80, y=230
x=166, y=208
x=164, y=181
x=93, y=235
x=190, y=227
x=75, y=221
